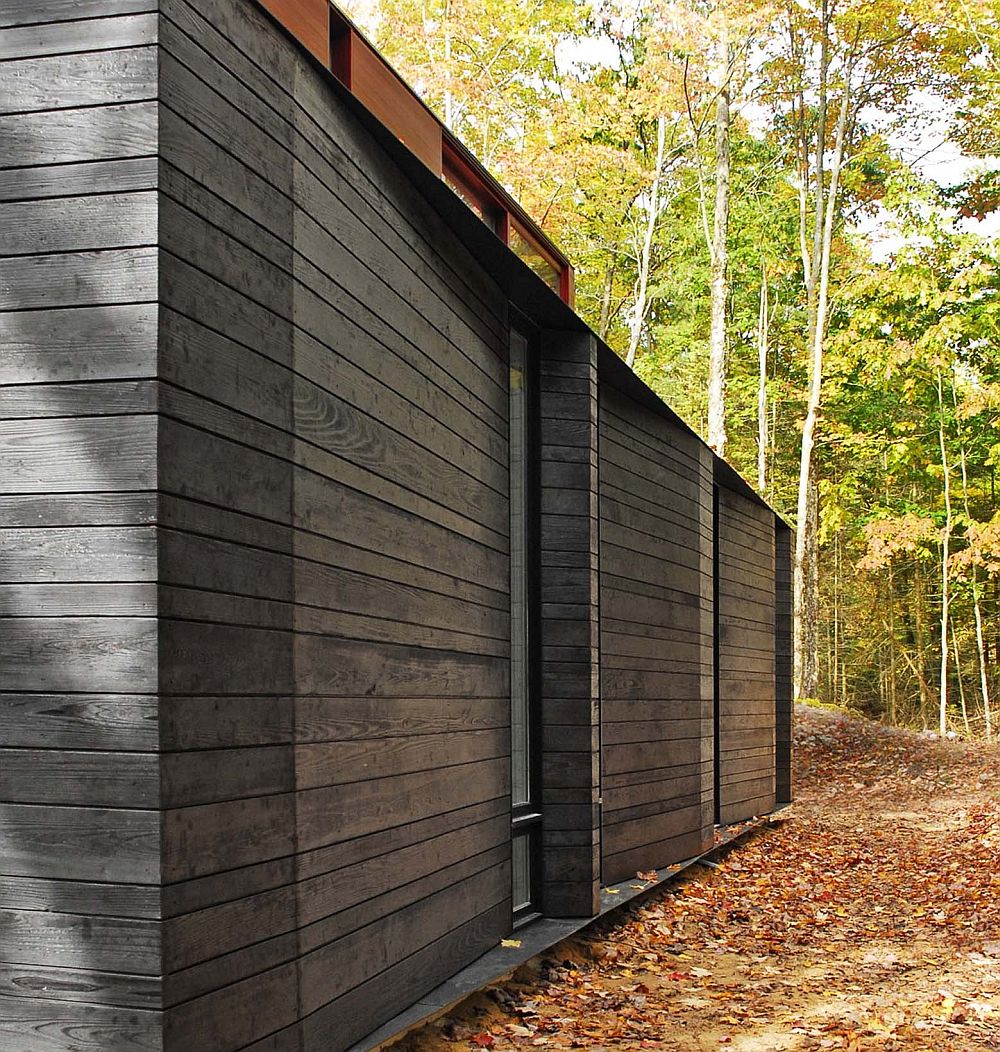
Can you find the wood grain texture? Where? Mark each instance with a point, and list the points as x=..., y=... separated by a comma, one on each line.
x=746, y=594
x=78, y=279
x=66, y=81
x=80, y=843
x=70, y=224
x=35, y=401
x=78, y=454
x=81, y=897
x=43, y=12
x=656, y=642
x=65, y=38
x=101, y=655
x=80, y=946
x=114, y=175
x=62, y=776
x=332, y=554
x=67, y=940
x=70, y=136
x=78, y=553
x=87, y=344
x=51, y=1025
x=86, y=985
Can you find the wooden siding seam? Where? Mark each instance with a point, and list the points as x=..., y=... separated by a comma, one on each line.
x=291, y=432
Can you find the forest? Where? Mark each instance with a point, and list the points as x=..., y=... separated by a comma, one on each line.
x=783, y=216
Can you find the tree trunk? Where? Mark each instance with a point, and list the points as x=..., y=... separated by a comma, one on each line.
x=773, y=444
x=920, y=638
x=945, y=550
x=893, y=679
x=977, y=608
x=645, y=253
x=893, y=714
x=720, y=259
x=984, y=680
x=605, y=322
x=961, y=683
x=806, y=600
x=762, y=340
x=806, y=543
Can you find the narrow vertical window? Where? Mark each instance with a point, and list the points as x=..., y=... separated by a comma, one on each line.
x=526, y=818
x=519, y=612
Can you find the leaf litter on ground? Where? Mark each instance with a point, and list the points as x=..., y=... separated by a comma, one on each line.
x=867, y=918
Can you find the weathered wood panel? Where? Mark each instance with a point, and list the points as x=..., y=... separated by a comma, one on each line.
x=656, y=639
x=332, y=560
x=569, y=580
x=80, y=950
x=745, y=593
x=254, y=572
x=783, y=689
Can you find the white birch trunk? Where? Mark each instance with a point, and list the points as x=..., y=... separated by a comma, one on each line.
x=805, y=592
x=645, y=253
x=977, y=609
x=720, y=258
x=945, y=550
x=762, y=348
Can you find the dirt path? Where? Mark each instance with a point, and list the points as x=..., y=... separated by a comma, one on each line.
x=868, y=918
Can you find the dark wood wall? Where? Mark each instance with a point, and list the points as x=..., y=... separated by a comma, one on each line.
x=784, y=543
x=79, y=774
x=254, y=564
x=656, y=639
x=745, y=535
x=569, y=596
x=335, y=559
x=227, y=447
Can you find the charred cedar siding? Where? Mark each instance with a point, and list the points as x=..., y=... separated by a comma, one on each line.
x=569, y=598
x=334, y=569
x=745, y=534
x=79, y=779
x=784, y=693
x=254, y=560
x=303, y=552
x=656, y=639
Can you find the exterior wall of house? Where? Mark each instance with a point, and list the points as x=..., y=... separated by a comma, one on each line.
x=656, y=639
x=745, y=594
x=783, y=672
x=80, y=934
x=255, y=562
x=335, y=558
x=569, y=601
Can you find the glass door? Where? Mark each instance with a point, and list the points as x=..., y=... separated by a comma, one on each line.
x=524, y=575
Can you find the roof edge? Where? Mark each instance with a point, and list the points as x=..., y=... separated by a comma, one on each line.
x=525, y=289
